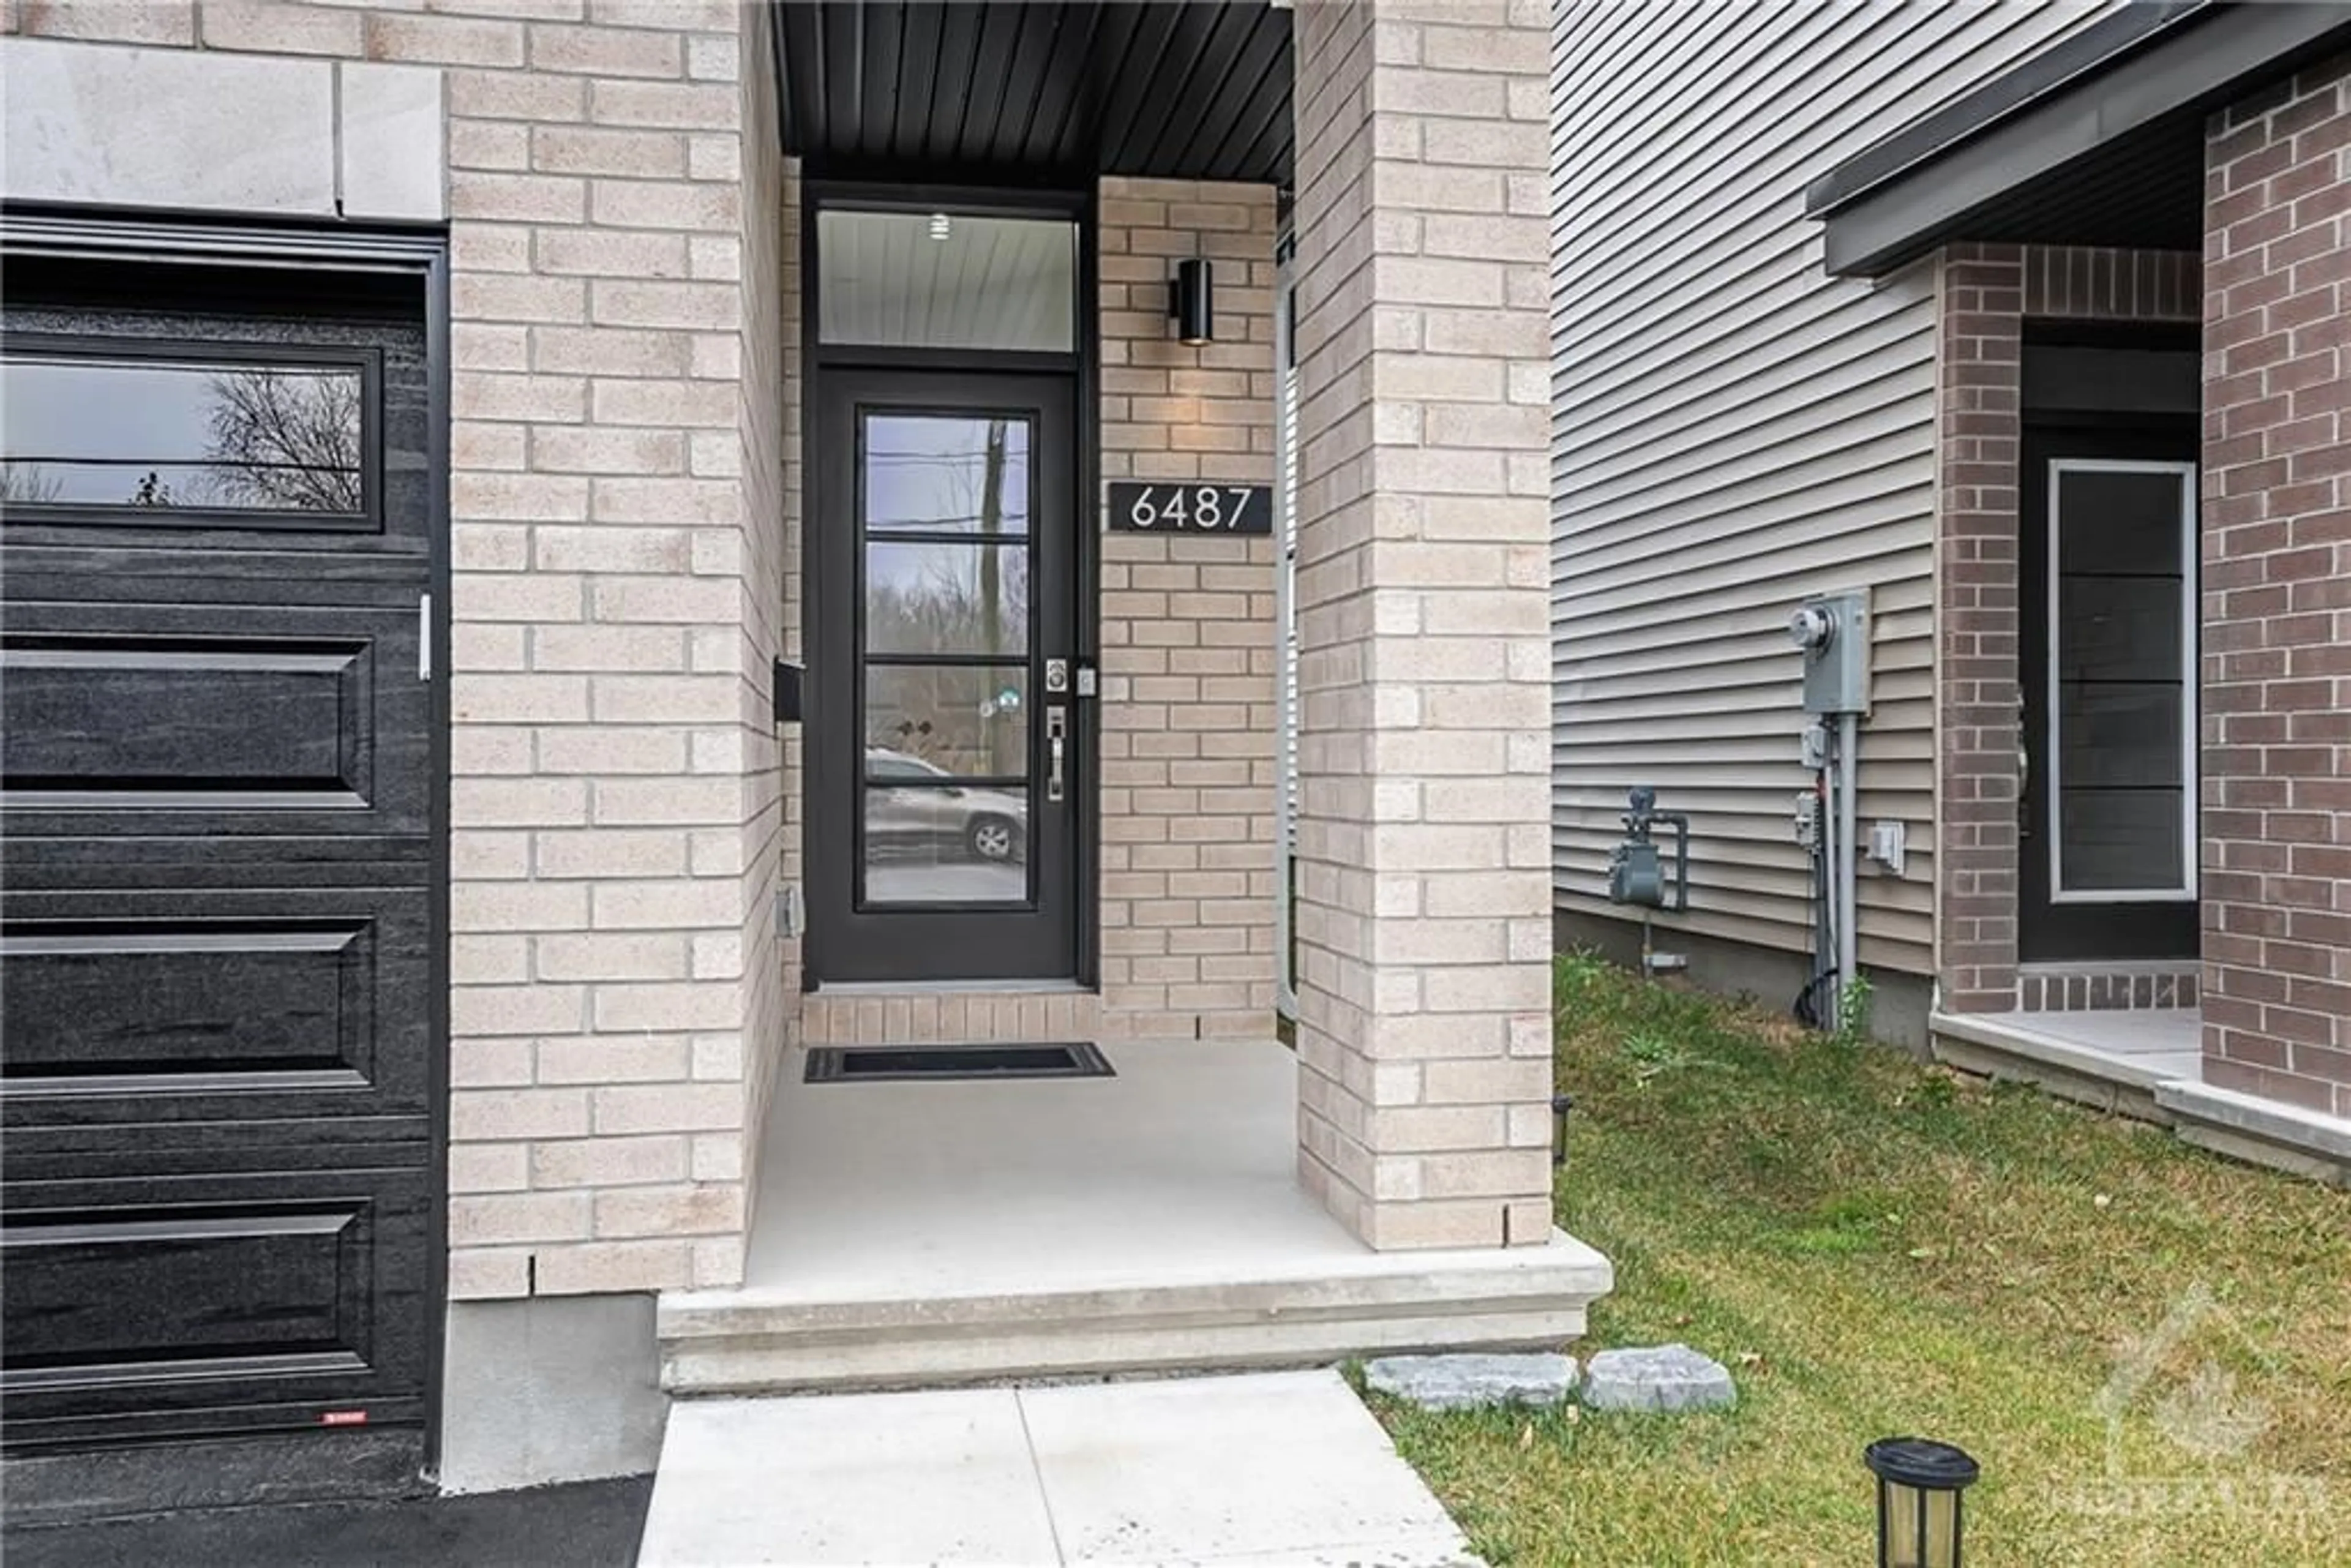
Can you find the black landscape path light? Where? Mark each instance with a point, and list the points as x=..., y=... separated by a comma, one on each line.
x=1918, y=1487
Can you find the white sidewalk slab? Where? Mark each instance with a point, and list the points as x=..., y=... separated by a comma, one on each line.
x=1285, y=1467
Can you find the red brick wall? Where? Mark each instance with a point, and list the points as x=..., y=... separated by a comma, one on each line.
x=2277, y=594
x=1986, y=293
x=1980, y=356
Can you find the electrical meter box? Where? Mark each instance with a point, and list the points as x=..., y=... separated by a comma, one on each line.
x=1832, y=630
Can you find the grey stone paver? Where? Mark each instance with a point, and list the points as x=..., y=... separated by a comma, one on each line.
x=1464, y=1382
x=1656, y=1378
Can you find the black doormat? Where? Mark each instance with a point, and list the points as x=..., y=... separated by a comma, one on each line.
x=892, y=1064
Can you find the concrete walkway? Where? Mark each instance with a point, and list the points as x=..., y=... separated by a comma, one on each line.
x=1278, y=1467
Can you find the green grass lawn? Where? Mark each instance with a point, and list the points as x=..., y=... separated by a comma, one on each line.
x=1876, y=1247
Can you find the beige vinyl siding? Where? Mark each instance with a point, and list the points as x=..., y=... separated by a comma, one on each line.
x=1733, y=430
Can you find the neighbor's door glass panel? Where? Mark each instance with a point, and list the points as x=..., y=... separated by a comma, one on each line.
x=944, y=563
x=180, y=434
x=923, y=280
x=2120, y=698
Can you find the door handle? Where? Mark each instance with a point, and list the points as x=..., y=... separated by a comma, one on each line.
x=2023, y=782
x=1057, y=730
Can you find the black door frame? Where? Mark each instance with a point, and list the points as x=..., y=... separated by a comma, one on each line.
x=990, y=941
x=2123, y=931
x=1081, y=368
x=360, y=1460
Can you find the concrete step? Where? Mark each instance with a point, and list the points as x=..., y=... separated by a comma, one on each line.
x=761, y=1340
x=2266, y=1131
x=2110, y=1060
x=2144, y=1063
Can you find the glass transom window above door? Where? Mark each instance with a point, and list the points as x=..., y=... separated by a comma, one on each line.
x=947, y=281
x=946, y=634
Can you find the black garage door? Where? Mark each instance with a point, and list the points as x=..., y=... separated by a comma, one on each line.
x=217, y=795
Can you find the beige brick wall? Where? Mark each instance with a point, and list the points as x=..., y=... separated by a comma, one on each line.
x=768, y=414
x=618, y=538
x=1424, y=601
x=621, y=520
x=1188, y=642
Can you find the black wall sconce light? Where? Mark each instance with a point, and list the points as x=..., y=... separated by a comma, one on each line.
x=1192, y=301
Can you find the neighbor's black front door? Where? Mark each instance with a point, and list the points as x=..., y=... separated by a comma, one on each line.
x=944, y=797
x=2107, y=666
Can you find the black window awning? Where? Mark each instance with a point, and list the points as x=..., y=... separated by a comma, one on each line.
x=1030, y=92
x=2097, y=139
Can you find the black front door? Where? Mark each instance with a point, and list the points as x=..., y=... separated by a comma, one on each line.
x=944, y=793
x=2107, y=665
x=217, y=934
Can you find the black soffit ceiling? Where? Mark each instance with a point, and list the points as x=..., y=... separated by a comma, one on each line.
x=2097, y=139
x=1026, y=91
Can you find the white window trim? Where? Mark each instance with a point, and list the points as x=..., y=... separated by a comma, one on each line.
x=2191, y=721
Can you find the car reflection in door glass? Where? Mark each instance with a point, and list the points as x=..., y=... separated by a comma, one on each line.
x=929, y=840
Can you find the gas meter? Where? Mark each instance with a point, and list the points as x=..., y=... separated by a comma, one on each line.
x=1636, y=873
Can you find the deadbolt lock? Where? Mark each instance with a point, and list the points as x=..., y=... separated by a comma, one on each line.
x=1057, y=675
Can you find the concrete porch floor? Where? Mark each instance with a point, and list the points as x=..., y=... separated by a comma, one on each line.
x=914, y=1233
x=2147, y=1063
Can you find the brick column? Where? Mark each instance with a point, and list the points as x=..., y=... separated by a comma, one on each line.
x=619, y=506
x=1424, y=602
x=767, y=420
x=1979, y=436
x=2276, y=869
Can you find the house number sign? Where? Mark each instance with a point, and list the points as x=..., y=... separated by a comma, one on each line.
x=1189, y=509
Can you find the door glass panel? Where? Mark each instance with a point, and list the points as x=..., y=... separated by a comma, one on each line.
x=927, y=473
x=2120, y=521
x=947, y=562
x=938, y=842
x=945, y=280
x=953, y=596
x=970, y=721
x=2119, y=628
x=2119, y=698
x=2120, y=736
x=2119, y=841
x=155, y=432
